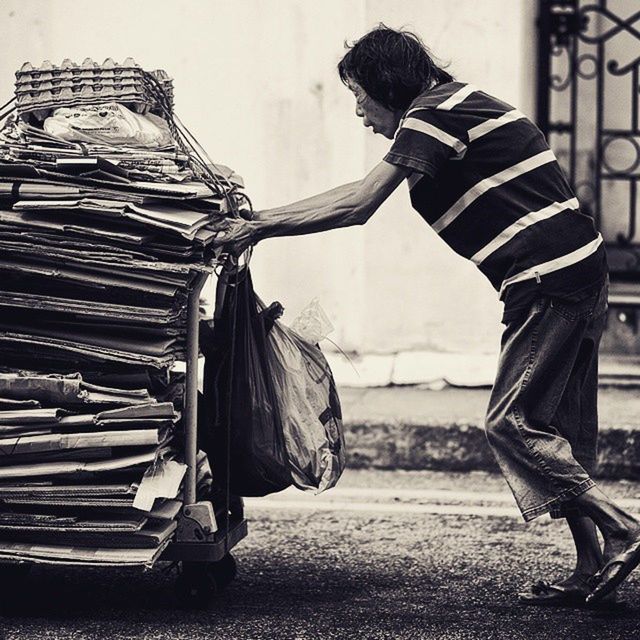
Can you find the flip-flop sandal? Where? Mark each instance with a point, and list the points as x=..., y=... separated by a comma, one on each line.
x=543, y=594
x=628, y=560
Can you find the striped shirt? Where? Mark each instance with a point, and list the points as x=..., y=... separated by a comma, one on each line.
x=487, y=182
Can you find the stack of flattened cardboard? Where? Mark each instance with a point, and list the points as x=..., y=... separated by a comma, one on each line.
x=21, y=142
x=95, y=262
x=76, y=459
x=96, y=267
x=107, y=277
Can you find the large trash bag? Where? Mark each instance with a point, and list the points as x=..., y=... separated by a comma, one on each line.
x=239, y=411
x=309, y=409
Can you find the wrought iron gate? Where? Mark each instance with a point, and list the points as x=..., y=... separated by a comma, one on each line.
x=589, y=108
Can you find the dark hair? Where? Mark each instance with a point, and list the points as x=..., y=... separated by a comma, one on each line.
x=393, y=67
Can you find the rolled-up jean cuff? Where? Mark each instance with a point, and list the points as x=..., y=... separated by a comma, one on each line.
x=564, y=510
x=554, y=505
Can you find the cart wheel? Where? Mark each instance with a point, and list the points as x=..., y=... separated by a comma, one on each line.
x=224, y=571
x=198, y=583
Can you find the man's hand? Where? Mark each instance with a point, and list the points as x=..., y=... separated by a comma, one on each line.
x=238, y=236
x=345, y=206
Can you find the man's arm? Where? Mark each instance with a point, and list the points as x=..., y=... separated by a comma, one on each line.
x=316, y=201
x=348, y=205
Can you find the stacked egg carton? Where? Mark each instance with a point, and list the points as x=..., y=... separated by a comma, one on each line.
x=49, y=86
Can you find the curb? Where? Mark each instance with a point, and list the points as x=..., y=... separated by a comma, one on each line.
x=462, y=446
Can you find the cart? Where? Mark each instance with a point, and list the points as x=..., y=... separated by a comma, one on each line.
x=204, y=553
x=206, y=533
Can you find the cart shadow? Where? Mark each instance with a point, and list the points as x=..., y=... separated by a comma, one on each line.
x=263, y=590
x=95, y=594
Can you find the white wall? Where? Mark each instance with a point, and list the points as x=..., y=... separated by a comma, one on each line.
x=255, y=80
x=435, y=299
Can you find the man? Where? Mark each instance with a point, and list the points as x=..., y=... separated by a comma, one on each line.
x=482, y=175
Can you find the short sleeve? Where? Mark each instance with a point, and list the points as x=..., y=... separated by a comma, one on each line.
x=423, y=144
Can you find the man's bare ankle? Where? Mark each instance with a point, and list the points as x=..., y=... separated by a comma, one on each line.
x=583, y=575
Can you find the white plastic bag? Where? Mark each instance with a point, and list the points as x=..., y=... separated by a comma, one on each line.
x=109, y=123
x=312, y=324
x=309, y=409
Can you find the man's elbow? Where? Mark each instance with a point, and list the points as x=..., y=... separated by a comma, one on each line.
x=361, y=215
x=363, y=209
x=368, y=199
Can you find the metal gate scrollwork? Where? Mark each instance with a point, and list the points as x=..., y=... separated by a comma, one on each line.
x=588, y=106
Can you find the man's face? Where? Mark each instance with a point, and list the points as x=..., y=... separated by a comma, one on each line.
x=373, y=114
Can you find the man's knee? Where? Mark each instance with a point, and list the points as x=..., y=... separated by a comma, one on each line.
x=501, y=424
x=494, y=425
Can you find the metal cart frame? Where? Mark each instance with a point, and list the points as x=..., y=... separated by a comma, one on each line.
x=199, y=538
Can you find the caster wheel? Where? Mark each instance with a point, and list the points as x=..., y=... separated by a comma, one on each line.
x=198, y=584
x=224, y=571
x=195, y=587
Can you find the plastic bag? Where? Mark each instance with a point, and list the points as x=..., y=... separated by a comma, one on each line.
x=312, y=324
x=309, y=409
x=111, y=123
x=239, y=419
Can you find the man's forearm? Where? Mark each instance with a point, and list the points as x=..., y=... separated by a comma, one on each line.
x=338, y=208
x=348, y=205
x=314, y=202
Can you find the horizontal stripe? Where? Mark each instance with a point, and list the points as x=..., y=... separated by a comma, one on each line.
x=430, y=130
x=456, y=98
x=489, y=183
x=491, y=125
x=408, y=113
x=522, y=223
x=554, y=265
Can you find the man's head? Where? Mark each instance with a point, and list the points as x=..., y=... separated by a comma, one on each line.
x=387, y=70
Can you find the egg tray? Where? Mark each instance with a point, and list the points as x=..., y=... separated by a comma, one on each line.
x=50, y=86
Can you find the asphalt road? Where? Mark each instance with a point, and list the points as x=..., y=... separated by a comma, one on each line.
x=387, y=555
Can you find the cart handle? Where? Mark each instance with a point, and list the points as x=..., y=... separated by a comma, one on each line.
x=191, y=392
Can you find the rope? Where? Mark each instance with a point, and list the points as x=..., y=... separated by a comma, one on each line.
x=9, y=103
x=197, y=159
x=6, y=104
x=189, y=145
x=7, y=113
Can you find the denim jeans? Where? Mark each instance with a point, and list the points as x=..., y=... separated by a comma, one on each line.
x=542, y=419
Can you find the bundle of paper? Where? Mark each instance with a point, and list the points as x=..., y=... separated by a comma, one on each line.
x=25, y=144
x=100, y=246
x=102, y=251
x=89, y=466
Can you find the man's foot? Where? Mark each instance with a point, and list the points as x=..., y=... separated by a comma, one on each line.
x=622, y=555
x=567, y=593
x=572, y=592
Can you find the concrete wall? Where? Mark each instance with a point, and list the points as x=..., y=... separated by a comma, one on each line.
x=255, y=80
